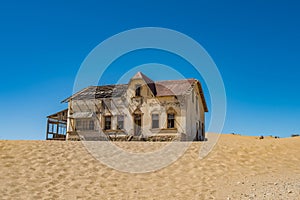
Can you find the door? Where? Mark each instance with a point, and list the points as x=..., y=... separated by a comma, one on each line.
x=203, y=132
x=137, y=124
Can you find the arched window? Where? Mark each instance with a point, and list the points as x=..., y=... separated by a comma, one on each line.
x=137, y=90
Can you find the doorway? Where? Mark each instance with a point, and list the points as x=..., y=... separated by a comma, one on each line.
x=137, y=124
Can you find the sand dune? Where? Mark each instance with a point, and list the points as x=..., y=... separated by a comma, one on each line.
x=239, y=167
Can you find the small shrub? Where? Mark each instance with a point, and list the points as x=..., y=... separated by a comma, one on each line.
x=261, y=137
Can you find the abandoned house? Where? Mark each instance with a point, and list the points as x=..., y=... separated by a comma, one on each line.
x=140, y=110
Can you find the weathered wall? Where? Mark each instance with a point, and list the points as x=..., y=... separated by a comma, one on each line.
x=187, y=118
x=195, y=117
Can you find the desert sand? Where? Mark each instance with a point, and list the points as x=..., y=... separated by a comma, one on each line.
x=239, y=167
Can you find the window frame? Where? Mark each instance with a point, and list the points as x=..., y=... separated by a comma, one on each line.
x=156, y=120
x=105, y=122
x=91, y=125
x=170, y=121
x=85, y=124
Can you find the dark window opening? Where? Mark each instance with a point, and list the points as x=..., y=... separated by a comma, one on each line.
x=107, y=123
x=171, y=120
x=138, y=90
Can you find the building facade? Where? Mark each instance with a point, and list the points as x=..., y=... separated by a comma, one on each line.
x=140, y=110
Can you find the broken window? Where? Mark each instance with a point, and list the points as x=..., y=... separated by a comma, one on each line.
x=137, y=90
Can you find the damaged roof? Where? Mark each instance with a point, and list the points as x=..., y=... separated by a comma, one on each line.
x=158, y=88
x=97, y=92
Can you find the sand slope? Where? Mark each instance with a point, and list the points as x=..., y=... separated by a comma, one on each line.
x=239, y=167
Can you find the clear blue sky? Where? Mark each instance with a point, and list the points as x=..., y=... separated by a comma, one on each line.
x=255, y=44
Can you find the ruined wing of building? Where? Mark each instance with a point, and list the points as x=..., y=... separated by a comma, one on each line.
x=140, y=110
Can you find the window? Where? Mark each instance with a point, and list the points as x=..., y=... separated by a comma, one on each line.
x=91, y=125
x=171, y=120
x=107, y=123
x=155, y=121
x=137, y=90
x=120, y=122
x=85, y=124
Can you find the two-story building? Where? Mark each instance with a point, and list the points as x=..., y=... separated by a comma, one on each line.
x=141, y=109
